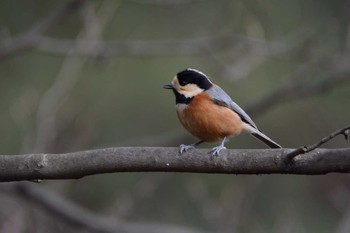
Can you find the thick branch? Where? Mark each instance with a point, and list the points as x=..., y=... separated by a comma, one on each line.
x=159, y=159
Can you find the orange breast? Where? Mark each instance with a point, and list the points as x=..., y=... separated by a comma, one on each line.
x=209, y=121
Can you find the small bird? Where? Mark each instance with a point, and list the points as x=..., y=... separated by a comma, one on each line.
x=208, y=113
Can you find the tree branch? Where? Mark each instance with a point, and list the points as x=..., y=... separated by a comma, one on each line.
x=29, y=39
x=334, y=72
x=159, y=159
x=95, y=22
x=306, y=149
x=188, y=46
x=71, y=213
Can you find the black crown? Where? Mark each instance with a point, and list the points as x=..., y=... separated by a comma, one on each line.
x=192, y=76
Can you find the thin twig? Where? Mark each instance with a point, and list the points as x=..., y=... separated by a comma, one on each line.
x=189, y=46
x=306, y=149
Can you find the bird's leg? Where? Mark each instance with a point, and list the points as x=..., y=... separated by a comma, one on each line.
x=184, y=148
x=216, y=150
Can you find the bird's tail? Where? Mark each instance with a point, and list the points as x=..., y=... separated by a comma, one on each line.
x=265, y=139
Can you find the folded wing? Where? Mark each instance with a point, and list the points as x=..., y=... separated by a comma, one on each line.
x=220, y=97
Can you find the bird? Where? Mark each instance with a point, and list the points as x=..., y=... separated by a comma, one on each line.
x=209, y=113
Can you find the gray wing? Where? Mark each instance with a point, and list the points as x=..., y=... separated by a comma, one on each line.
x=220, y=97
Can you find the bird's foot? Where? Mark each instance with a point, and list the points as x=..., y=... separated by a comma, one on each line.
x=216, y=150
x=183, y=148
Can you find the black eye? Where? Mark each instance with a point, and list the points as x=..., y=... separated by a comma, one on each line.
x=183, y=82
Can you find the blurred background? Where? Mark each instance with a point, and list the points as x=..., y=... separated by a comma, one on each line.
x=83, y=74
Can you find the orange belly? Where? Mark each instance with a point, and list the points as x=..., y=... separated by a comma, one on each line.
x=208, y=121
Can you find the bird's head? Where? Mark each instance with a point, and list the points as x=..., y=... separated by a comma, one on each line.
x=189, y=83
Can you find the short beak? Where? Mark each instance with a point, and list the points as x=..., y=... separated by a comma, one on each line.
x=168, y=86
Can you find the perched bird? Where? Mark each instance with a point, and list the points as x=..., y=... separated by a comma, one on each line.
x=208, y=113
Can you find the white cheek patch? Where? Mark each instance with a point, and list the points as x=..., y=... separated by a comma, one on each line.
x=190, y=90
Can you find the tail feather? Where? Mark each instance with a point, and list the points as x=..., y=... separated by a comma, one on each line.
x=265, y=139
